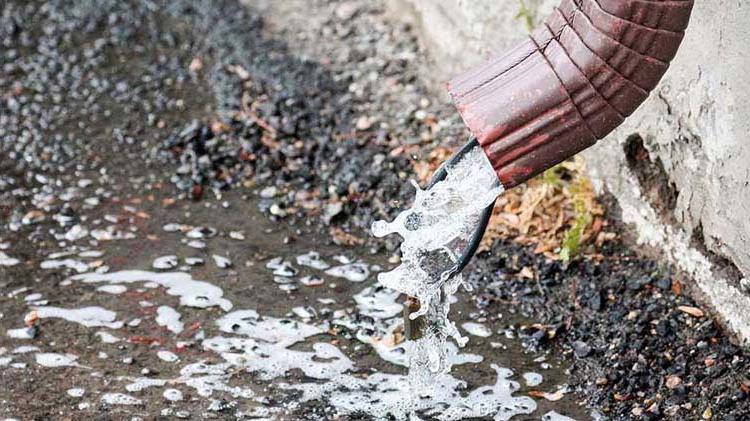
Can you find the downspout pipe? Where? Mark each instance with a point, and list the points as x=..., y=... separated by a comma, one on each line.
x=588, y=67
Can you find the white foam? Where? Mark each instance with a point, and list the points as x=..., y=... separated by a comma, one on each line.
x=304, y=312
x=207, y=378
x=313, y=260
x=22, y=333
x=272, y=361
x=194, y=261
x=76, y=265
x=477, y=329
x=107, y=337
x=283, y=332
x=56, y=360
x=167, y=356
x=311, y=281
x=113, y=289
x=25, y=349
x=75, y=392
x=382, y=396
x=172, y=395
x=281, y=267
x=378, y=302
x=354, y=272
x=111, y=233
x=532, y=379
x=91, y=253
x=165, y=262
x=554, y=416
x=221, y=261
x=143, y=383
x=85, y=316
x=6, y=260
x=169, y=317
x=33, y=297
x=119, y=399
x=76, y=232
x=192, y=293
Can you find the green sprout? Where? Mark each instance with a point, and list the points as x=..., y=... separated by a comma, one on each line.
x=526, y=15
x=573, y=237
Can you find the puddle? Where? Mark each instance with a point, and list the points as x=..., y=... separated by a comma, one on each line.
x=342, y=346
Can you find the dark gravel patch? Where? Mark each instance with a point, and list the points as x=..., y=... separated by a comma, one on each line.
x=635, y=353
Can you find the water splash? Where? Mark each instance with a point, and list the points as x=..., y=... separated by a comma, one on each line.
x=435, y=231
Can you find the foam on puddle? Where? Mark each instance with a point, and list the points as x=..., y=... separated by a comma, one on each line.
x=477, y=329
x=281, y=267
x=354, y=272
x=6, y=260
x=119, y=399
x=272, y=361
x=167, y=356
x=113, y=289
x=384, y=396
x=57, y=360
x=22, y=333
x=172, y=395
x=75, y=392
x=107, y=337
x=165, y=262
x=86, y=316
x=313, y=260
x=554, y=416
x=192, y=293
x=390, y=349
x=283, y=332
x=532, y=379
x=170, y=318
x=25, y=349
x=76, y=265
x=378, y=302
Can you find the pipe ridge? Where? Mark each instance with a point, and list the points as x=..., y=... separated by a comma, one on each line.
x=577, y=4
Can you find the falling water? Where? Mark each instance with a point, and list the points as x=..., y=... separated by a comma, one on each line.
x=435, y=230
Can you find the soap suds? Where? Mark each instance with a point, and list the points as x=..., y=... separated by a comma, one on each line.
x=192, y=293
x=170, y=318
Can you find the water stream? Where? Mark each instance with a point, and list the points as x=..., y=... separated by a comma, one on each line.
x=434, y=232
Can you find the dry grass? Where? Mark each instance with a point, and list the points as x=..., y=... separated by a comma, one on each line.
x=557, y=212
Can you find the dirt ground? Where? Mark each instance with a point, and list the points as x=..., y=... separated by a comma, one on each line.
x=210, y=138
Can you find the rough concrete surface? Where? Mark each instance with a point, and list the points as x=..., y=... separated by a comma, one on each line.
x=693, y=130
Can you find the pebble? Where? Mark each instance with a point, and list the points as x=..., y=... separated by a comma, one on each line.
x=581, y=349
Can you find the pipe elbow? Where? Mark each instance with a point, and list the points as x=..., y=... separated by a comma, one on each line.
x=589, y=66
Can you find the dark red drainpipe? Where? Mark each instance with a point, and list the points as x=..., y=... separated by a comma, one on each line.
x=573, y=81
x=589, y=66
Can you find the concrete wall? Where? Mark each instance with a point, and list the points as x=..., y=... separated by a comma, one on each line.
x=695, y=126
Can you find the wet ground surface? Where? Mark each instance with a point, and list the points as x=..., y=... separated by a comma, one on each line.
x=199, y=142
